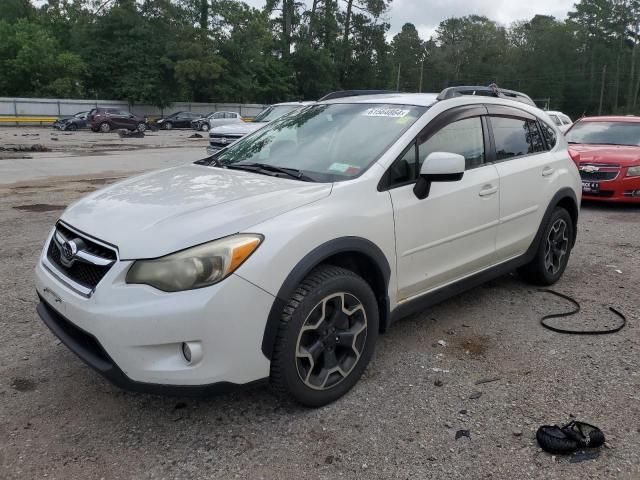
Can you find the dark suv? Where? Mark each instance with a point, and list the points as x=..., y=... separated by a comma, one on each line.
x=106, y=119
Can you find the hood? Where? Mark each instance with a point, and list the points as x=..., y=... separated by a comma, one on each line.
x=165, y=211
x=613, y=154
x=241, y=128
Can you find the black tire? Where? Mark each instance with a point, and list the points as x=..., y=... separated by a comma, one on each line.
x=540, y=271
x=72, y=127
x=167, y=125
x=142, y=127
x=204, y=127
x=551, y=439
x=321, y=291
x=105, y=127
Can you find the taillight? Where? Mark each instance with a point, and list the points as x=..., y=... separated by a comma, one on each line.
x=575, y=156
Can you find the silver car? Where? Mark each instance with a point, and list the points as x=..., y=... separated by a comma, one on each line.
x=216, y=119
x=221, y=137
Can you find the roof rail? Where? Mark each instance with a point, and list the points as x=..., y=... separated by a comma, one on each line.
x=490, y=91
x=354, y=93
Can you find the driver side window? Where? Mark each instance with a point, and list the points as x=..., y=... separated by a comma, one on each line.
x=463, y=137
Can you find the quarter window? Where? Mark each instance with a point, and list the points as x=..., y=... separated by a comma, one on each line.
x=403, y=169
x=515, y=137
x=463, y=137
x=548, y=134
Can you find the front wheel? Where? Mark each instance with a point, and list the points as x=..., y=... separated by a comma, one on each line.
x=141, y=127
x=554, y=250
x=326, y=337
x=204, y=127
x=105, y=127
x=168, y=125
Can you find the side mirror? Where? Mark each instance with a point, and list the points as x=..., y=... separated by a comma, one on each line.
x=438, y=167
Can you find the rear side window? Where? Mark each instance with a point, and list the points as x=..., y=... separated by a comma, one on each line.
x=463, y=137
x=515, y=137
x=566, y=120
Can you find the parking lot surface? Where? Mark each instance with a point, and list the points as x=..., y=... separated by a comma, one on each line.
x=479, y=362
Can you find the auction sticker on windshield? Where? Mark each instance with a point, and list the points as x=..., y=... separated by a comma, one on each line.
x=386, y=112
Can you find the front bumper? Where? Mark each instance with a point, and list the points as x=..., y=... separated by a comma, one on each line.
x=623, y=189
x=133, y=334
x=91, y=352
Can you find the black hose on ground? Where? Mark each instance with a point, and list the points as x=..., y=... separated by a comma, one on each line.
x=544, y=319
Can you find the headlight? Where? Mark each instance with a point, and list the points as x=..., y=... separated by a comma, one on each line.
x=195, y=267
x=633, y=171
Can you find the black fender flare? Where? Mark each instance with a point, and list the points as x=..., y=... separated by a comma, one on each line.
x=557, y=199
x=314, y=258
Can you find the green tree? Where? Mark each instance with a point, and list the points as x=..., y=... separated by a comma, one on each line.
x=408, y=53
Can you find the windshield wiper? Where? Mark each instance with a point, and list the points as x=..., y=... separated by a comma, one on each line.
x=256, y=167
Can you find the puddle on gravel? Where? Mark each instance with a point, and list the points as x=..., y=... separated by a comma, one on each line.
x=23, y=384
x=40, y=207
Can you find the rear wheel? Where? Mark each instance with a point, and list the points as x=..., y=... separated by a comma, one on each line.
x=326, y=337
x=105, y=127
x=553, y=252
x=141, y=127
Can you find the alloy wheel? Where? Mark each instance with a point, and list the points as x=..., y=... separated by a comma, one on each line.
x=331, y=341
x=556, y=247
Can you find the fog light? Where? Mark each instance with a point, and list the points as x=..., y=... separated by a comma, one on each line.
x=192, y=352
x=186, y=351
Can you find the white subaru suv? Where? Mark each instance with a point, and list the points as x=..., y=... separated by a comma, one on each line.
x=284, y=256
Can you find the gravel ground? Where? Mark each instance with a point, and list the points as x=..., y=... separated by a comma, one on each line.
x=59, y=419
x=85, y=142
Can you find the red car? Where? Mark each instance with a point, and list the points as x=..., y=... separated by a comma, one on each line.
x=607, y=152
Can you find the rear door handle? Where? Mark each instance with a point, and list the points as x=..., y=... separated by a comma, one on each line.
x=488, y=190
x=546, y=171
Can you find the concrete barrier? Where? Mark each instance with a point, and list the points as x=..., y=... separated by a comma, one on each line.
x=54, y=108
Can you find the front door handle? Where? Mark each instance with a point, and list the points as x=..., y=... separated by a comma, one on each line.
x=546, y=171
x=488, y=190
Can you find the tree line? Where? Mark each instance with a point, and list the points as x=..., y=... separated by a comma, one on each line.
x=163, y=51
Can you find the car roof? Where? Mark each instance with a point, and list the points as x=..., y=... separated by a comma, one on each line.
x=417, y=99
x=296, y=104
x=553, y=112
x=430, y=99
x=612, y=118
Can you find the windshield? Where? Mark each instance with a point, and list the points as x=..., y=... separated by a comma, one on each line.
x=556, y=120
x=274, y=112
x=325, y=142
x=605, y=133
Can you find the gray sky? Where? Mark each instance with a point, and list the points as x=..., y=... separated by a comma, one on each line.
x=427, y=14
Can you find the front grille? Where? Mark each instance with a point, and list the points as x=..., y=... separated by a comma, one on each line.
x=88, y=266
x=598, y=173
x=222, y=141
x=601, y=193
